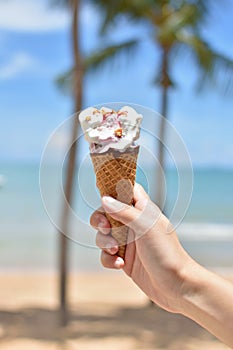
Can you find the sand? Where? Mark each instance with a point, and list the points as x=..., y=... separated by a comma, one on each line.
x=106, y=311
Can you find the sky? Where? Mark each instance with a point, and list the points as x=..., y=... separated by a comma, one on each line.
x=35, y=49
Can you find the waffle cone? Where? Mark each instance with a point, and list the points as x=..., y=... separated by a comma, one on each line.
x=115, y=177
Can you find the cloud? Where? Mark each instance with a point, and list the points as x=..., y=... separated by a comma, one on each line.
x=21, y=62
x=34, y=16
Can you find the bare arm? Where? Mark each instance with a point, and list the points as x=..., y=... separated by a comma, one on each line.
x=208, y=299
x=159, y=265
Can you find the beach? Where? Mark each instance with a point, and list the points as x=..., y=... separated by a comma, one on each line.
x=164, y=90
x=106, y=311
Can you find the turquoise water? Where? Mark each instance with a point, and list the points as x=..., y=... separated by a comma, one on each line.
x=28, y=240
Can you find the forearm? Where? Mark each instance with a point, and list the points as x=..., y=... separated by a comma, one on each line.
x=208, y=300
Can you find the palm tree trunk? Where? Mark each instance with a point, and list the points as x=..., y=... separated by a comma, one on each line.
x=165, y=83
x=70, y=171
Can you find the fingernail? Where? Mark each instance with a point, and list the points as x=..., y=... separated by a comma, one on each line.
x=102, y=224
x=111, y=204
x=114, y=250
x=119, y=263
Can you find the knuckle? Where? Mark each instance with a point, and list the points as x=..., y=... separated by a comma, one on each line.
x=98, y=240
x=94, y=219
x=103, y=259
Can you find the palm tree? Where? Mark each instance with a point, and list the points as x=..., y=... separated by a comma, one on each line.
x=174, y=25
x=73, y=80
x=174, y=30
x=77, y=93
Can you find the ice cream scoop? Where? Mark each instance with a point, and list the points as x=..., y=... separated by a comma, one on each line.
x=107, y=129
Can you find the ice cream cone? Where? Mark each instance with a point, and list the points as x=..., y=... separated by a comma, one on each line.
x=115, y=176
x=111, y=136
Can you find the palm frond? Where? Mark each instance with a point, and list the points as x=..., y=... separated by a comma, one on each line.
x=110, y=11
x=64, y=82
x=109, y=54
x=152, y=10
x=215, y=68
x=175, y=19
x=133, y=9
x=96, y=60
x=202, y=6
x=222, y=73
x=186, y=15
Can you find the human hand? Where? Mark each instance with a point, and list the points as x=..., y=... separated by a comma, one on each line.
x=158, y=264
x=154, y=258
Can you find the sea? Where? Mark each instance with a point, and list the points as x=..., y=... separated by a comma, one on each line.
x=31, y=203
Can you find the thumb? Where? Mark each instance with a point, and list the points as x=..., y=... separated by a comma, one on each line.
x=123, y=212
x=120, y=211
x=141, y=198
x=140, y=221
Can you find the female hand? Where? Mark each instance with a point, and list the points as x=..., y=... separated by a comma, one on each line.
x=158, y=264
x=154, y=258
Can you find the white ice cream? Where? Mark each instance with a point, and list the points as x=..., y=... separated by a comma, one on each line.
x=106, y=129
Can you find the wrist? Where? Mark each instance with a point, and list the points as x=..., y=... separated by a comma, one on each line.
x=207, y=299
x=183, y=285
x=190, y=289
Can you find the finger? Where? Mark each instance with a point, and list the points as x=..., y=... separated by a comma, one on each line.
x=107, y=242
x=130, y=253
x=100, y=222
x=144, y=203
x=120, y=211
x=140, y=221
x=141, y=198
x=111, y=261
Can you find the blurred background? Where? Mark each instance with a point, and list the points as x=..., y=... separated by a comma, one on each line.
x=57, y=57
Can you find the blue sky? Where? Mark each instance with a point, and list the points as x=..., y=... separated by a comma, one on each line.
x=34, y=49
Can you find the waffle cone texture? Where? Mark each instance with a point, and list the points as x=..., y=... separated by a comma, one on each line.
x=115, y=177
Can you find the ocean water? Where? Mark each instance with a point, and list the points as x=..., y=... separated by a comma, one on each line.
x=28, y=239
